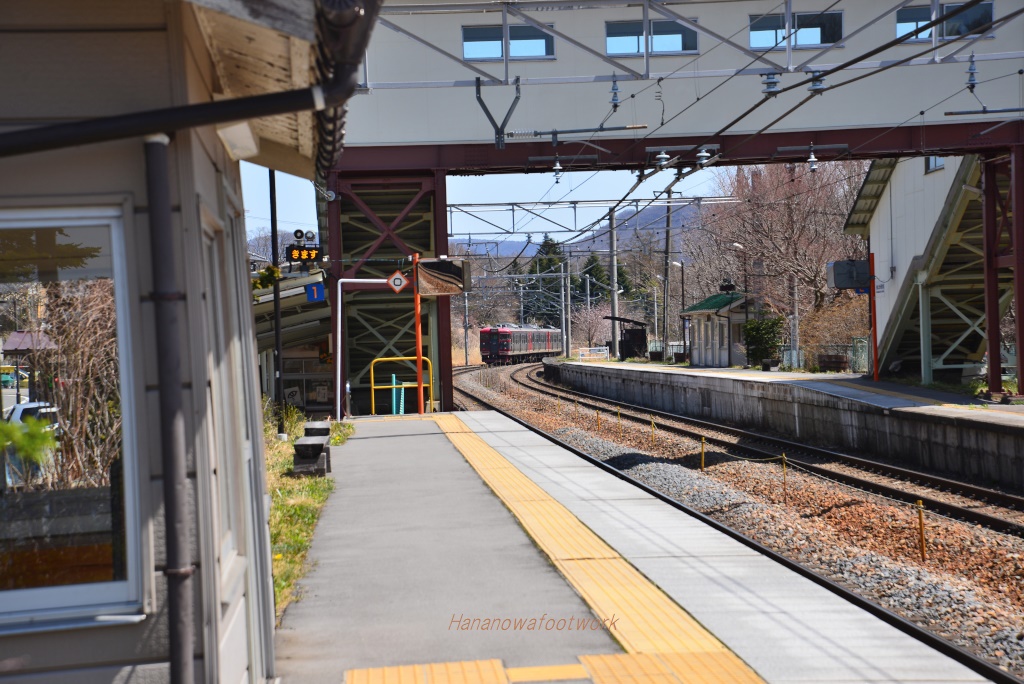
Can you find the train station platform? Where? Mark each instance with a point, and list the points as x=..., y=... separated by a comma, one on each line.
x=465, y=548
x=915, y=427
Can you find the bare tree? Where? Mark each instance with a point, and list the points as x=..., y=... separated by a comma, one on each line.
x=589, y=324
x=80, y=376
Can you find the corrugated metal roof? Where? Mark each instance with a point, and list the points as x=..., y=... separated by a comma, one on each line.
x=716, y=303
x=875, y=182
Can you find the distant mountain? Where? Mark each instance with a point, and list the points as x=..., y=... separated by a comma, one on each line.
x=506, y=248
x=632, y=226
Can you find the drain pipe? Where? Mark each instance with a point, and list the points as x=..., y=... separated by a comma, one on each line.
x=167, y=299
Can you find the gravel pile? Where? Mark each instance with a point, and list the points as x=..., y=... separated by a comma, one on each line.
x=969, y=591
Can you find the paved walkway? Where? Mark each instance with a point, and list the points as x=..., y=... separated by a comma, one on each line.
x=428, y=530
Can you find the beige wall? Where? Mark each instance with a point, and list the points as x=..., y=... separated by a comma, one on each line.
x=101, y=58
x=452, y=115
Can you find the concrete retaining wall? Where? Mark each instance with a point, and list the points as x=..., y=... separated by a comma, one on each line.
x=938, y=438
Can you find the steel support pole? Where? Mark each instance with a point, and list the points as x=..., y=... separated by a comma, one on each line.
x=613, y=277
x=664, y=289
x=275, y=259
x=924, y=309
x=465, y=324
x=990, y=229
x=1017, y=195
x=568, y=308
x=561, y=300
x=419, y=331
x=874, y=317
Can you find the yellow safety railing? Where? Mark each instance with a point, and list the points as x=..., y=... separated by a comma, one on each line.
x=374, y=386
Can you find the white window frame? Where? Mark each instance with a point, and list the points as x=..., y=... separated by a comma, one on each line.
x=795, y=32
x=941, y=28
x=501, y=55
x=650, y=39
x=934, y=163
x=44, y=607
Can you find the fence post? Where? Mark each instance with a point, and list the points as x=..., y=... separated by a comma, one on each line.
x=920, y=525
x=785, y=491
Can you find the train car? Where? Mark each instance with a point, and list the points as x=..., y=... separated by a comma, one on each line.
x=507, y=343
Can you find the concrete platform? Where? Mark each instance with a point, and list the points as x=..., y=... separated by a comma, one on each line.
x=911, y=426
x=413, y=539
x=410, y=540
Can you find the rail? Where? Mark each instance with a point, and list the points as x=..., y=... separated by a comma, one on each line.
x=374, y=386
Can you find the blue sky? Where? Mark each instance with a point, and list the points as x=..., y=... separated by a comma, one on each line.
x=296, y=208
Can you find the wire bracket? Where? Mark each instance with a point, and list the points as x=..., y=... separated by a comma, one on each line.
x=499, y=131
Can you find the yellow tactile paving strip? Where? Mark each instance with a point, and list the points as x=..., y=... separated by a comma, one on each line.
x=551, y=673
x=465, y=672
x=646, y=619
x=664, y=644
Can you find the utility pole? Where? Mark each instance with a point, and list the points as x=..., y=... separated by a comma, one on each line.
x=278, y=380
x=614, y=278
x=668, y=251
x=465, y=323
x=561, y=281
x=520, y=303
x=568, y=309
x=588, y=292
x=795, y=334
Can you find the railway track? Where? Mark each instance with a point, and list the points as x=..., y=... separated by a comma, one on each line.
x=893, y=614
x=995, y=510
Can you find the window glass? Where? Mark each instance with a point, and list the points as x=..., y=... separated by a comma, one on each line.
x=63, y=499
x=968, y=22
x=910, y=19
x=809, y=29
x=626, y=38
x=525, y=42
x=818, y=28
x=767, y=32
x=933, y=163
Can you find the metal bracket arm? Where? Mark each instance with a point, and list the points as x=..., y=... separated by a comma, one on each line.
x=499, y=131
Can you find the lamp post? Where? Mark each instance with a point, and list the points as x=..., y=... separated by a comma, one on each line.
x=614, y=279
x=682, y=305
x=746, y=288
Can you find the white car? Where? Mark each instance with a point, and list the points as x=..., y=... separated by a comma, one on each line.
x=16, y=471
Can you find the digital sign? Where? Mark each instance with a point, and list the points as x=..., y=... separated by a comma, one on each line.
x=304, y=253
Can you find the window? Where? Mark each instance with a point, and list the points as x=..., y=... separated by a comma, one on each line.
x=68, y=516
x=524, y=42
x=933, y=163
x=910, y=19
x=664, y=37
x=968, y=23
x=810, y=29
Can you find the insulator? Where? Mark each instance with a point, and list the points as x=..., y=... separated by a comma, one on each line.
x=817, y=83
x=771, y=84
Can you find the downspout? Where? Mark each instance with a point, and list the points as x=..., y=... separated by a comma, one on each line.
x=166, y=297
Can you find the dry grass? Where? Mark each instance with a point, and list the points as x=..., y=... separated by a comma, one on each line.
x=295, y=505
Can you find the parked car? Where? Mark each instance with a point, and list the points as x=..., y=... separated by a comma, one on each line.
x=16, y=471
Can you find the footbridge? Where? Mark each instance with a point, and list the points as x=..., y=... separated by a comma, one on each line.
x=502, y=87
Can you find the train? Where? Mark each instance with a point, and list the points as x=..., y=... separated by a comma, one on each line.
x=507, y=343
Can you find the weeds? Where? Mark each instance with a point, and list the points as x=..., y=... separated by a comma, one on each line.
x=295, y=502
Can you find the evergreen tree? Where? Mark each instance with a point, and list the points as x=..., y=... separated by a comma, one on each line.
x=543, y=305
x=600, y=284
